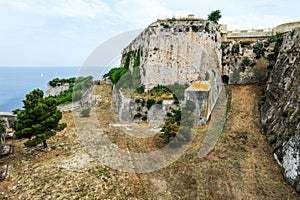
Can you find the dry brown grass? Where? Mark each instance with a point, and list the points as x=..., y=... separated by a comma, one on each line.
x=241, y=165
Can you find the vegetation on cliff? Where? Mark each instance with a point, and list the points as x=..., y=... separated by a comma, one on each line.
x=77, y=88
x=61, y=81
x=115, y=74
x=39, y=120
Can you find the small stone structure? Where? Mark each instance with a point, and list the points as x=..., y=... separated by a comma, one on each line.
x=138, y=109
x=199, y=93
x=10, y=116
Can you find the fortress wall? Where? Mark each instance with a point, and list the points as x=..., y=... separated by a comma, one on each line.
x=172, y=52
x=176, y=52
x=282, y=28
x=257, y=34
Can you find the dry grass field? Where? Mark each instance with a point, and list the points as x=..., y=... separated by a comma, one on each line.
x=241, y=165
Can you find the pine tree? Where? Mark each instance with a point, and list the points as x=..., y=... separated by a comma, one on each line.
x=39, y=120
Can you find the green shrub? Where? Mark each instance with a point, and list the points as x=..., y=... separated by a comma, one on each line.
x=75, y=91
x=137, y=60
x=150, y=103
x=207, y=27
x=235, y=48
x=127, y=59
x=140, y=90
x=259, y=50
x=207, y=76
x=246, y=42
x=58, y=81
x=160, y=90
x=171, y=126
x=85, y=112
x=245, y=61
x=272, y=139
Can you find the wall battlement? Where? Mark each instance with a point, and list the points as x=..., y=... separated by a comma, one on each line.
x=258, y=33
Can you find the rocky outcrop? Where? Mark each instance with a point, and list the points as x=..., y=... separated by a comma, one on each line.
x=56, y=90
x=176, y=51
x=170, y=52
x=3, y=133
x=280, y=110
x=246, y=61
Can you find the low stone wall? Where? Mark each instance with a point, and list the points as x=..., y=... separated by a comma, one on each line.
x=287, y=27
x=3, y=135
x=139, y=110
x=252, y=33
x=11, y=117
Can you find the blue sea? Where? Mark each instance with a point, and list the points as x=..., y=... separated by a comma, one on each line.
x=16, y=82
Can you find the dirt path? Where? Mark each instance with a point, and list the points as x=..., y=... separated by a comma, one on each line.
x=241, y=165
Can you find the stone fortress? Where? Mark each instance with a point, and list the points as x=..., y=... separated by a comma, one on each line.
x=257, y=34
x=175, y=51
x=205, y=56
x=202, y=54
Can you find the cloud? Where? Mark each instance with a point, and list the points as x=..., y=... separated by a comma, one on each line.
x=62, y=8
x=140, y=13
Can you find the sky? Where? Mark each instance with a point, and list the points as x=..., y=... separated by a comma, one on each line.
x=65, y=32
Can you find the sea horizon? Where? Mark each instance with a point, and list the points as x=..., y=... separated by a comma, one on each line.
x=17, y=81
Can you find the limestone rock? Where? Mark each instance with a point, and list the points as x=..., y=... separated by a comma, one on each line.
x=56, y=90
x=280, y=111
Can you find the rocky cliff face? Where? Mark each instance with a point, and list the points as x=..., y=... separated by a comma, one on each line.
x=56, y=90
x=170, y=52
x=176, y=51
x=280, y=111
x=246, y=61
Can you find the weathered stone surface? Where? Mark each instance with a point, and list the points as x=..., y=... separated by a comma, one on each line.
x=56, y=90
x=3, y=135
x=4, y=172
x=173, y=52
x=199, y=93
x=136, y=110
x=291, y=161
x=243, y=66
x=176, y=52
x=280, y=111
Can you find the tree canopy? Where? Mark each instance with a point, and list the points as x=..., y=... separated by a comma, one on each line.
x=39, y=120
x=215, y=16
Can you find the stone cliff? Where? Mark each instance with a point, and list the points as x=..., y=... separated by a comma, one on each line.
x=170, y=52
x=176, y=51
x=280, y=110
x=56, y=90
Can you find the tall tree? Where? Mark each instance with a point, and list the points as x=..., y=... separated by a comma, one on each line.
x=215, y=16
x=39, y=120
